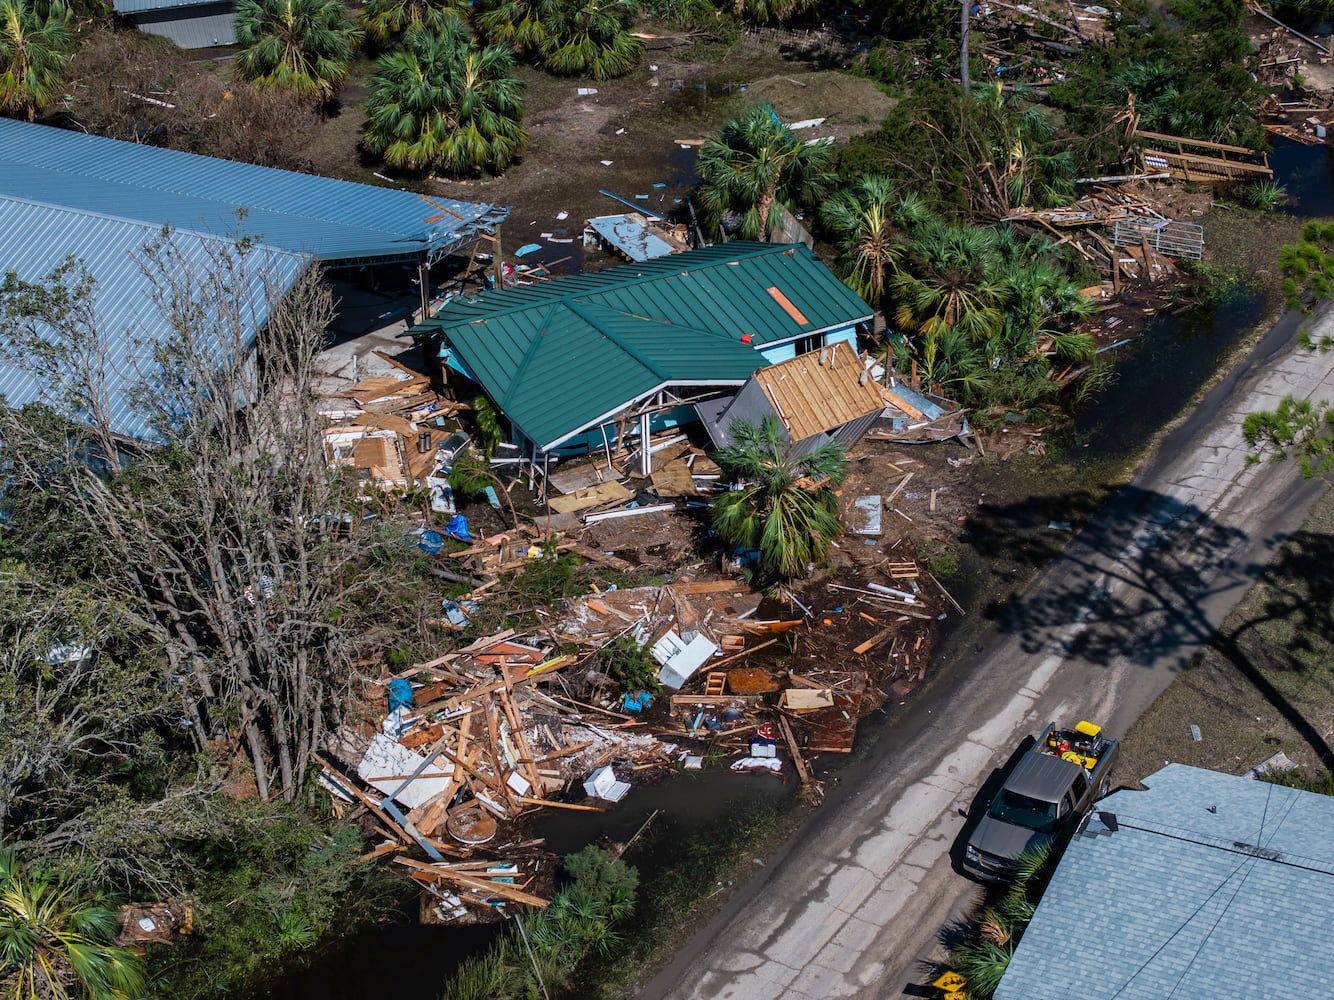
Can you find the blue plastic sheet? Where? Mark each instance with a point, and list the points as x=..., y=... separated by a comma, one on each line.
x=400, y=694
x=430, y=542
x=458, y=528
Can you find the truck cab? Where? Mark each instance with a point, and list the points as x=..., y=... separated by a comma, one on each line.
x=1050, y=788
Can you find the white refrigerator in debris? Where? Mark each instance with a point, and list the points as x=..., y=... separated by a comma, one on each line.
x=680, y=658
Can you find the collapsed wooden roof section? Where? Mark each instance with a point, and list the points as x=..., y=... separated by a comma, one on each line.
x=816, y=392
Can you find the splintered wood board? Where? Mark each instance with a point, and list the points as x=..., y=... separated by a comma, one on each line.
x=590, y=496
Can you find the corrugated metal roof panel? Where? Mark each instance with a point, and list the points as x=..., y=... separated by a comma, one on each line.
x=631, y=235
x=561, y=354
x=124, y=7
x=330, y=219
x=191, y=29
x=36, y=238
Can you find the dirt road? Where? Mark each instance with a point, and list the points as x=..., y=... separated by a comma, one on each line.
x=852, y=902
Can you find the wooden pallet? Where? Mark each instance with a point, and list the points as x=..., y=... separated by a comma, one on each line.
x=715, y=683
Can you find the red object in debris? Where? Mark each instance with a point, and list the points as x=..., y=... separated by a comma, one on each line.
x=766, y=732
x=745, y=338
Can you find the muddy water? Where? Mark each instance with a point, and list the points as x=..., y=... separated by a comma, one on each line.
x=1158, y=373
x=1307, y=174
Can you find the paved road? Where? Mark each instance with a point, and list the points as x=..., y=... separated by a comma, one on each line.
x=848, y=905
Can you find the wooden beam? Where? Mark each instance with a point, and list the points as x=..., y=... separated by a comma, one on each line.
x=797, y=760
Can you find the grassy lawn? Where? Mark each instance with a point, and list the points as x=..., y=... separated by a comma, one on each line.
x=1266, y=682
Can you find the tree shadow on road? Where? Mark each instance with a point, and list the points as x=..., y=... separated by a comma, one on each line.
x=1136, y=582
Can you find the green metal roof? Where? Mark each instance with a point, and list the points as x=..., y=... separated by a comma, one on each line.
x=561, y=356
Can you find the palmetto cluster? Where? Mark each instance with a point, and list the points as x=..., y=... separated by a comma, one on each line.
x=445, y=102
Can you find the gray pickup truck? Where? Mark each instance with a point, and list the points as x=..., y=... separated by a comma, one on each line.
x=1051, y=787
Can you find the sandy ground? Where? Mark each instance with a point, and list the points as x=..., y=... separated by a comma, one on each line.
x=623, y=139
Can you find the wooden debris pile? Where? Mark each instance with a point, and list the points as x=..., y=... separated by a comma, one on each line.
x=1302, y=121
x=388, y=427
x=1100, y=207
x=487, y=736
x=1119, y=231
x=914, y=414
x=613, y=482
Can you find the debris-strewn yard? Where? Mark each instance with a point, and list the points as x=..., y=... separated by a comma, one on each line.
x=666, y=660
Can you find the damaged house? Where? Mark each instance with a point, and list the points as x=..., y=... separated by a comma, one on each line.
x=598, y=361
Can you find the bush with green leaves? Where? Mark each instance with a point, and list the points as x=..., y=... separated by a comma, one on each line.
x=1307, y=266
x=629, y=664
x=385, y=21
x=268, y=890
x=305, y=46
x=56, y=943
x=36, y=39
x=588, y=38
x=1186, y=64
x=784, y=506
x=541, y=955
x=985, y=954
x=444, y=103
x=753, y=167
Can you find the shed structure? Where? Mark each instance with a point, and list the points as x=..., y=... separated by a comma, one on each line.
x=66, y=195
x=580, y=363
x=828, y=395
x=1203, y=885
x=189, y=23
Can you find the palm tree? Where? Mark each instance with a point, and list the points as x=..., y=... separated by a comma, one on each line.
x=751, y=166
x=588, y=38
x=765, y=11
x=784, y=507
x=519, y=24
x=442, y=102
x=948, y=282
x=303, y=45
x=871, y=226
x=54, y=944
x=35, y=43
x=386, y=20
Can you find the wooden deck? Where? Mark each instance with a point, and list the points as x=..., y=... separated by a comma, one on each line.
x=1204, y=162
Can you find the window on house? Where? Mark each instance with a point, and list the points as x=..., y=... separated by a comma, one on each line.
x=812, y=343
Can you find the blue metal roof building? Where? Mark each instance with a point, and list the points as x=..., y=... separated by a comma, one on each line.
x=336, y=222
x=35, y=239
x=1206, y=885
x=65, y=194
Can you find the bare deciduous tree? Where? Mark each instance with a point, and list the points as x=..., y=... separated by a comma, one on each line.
x=228, y=541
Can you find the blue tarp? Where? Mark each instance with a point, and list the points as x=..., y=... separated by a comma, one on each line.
x=400, y=694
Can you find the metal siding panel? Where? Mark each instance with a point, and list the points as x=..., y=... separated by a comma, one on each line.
x=193, y=31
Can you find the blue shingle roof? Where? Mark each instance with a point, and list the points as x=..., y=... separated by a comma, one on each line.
x=329, y=219
x=36, y=238
x=1209, y=886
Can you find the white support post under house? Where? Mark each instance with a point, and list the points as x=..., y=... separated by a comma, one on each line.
x=645, y=459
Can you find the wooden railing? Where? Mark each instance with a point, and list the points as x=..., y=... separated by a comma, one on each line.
x=1219, y=162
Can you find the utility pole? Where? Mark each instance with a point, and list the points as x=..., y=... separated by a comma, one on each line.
x=965, y=9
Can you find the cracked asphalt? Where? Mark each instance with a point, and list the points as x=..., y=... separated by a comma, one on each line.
x=852, y=903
